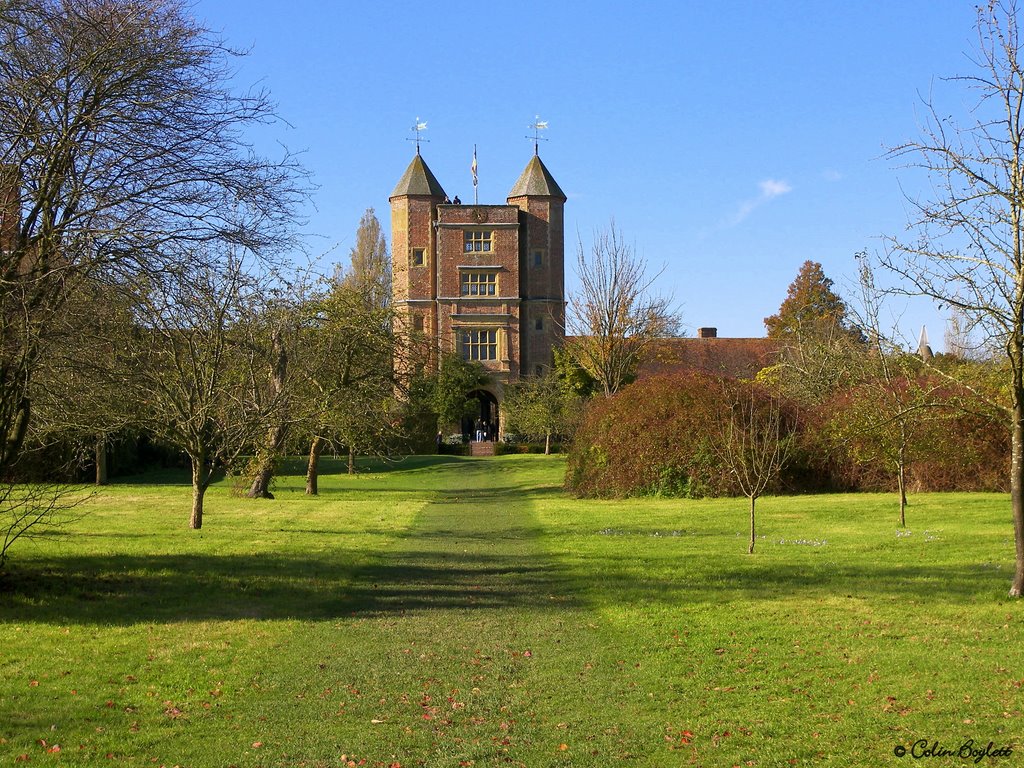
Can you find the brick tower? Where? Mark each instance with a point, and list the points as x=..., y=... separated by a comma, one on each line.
x=483, y=281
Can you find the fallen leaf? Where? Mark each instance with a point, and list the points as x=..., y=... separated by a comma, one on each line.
x=562, y=747
x=257, y=744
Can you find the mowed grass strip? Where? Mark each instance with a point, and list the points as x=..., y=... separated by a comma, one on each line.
x=465, y=612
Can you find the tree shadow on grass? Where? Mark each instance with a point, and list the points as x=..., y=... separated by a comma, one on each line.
x=720, y=579
x=128, y=589
x=122, y=590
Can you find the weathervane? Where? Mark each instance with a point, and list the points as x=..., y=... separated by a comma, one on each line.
x=537, y=125
x=420, y=126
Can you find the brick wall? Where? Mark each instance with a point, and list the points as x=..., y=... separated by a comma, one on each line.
x=501, y=311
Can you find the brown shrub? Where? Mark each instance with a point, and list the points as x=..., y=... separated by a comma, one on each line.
x=656, y=437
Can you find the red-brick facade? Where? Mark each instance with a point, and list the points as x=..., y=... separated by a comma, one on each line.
x=484, y=281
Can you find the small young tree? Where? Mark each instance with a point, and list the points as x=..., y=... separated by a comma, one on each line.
x=887, y=420
x=615, y=317
x=754, y=441
x=540, y=408
x=191, y=365
x=889, y=413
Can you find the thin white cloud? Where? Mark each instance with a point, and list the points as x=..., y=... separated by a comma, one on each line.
x=831, y=174
x=770, y=189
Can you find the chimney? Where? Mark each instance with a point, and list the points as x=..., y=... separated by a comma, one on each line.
x=707, y=333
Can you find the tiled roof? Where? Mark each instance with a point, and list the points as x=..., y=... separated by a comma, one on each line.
x=737, y=358
x=536, y=181
x=418, y=180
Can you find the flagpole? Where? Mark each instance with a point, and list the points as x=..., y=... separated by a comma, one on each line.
x=476, y=199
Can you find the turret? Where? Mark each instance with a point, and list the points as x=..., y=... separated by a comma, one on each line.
x=542, y=263
x=414, y=204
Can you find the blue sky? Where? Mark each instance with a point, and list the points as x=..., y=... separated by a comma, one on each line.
x=730, y=142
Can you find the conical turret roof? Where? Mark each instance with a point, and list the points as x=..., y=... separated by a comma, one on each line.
x=418, y=180
x=536, y=181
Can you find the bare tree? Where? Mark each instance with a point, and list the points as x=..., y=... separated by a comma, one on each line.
x=121, y=150
x=615, y=317
x=29, y=511
x=754, y=442
x=194, y=368
x=968, y=252
x=348, y=390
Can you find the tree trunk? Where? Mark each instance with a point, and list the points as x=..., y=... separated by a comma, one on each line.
x=315, y=449
x=266, y=458
x=901, y=473
x=547, y=444
x=1017, y=493
x=901, y=479
x=101, y=461
x=265, y=463
x=200, y=481
x=351, y=460
x=750, y=549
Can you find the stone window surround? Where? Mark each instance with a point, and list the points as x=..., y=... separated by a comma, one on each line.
x=478, y=283
x=477, y=241
x=481, y=344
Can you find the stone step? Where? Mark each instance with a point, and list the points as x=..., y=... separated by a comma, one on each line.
x=484, y=448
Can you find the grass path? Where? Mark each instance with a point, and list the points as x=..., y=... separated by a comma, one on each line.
x=463, y=612
x=470, y=604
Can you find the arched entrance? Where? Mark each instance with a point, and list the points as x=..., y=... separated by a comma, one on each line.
x=482, y=421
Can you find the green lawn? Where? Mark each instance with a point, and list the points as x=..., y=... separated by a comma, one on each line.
x=456, y=612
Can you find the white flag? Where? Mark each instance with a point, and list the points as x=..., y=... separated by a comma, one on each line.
x=473, y=166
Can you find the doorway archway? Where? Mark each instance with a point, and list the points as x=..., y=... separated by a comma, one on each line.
x=482, y=421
